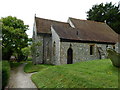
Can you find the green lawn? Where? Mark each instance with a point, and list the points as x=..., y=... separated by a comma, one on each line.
x=88, y=74
x=34, y=68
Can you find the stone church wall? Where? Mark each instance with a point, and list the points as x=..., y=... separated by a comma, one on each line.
x=43, y=52
x=47, y=49
x=55, y=48
x=81, y=51
x=117, y=45
x=38, y=54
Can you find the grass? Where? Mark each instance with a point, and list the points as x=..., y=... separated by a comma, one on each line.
x=5, y=73
x=34, y=68
x=89, y=74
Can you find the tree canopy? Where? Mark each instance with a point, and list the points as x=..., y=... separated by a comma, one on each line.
x=14, y=37
x=106, y=13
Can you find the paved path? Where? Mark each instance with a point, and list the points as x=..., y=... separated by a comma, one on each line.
x=20, y=79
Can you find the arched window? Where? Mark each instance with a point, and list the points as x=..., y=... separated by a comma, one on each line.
x=54, y=47
x=91, y=49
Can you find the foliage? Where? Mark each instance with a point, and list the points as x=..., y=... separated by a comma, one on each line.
x=34, y=68
x=5, y=73
x=29, y=41
x=26, y=51
x=29, y=58
x=106, y=13
x=0, y=29
x=14, y=37
x=114, y=57
x=13, y=65
x=0, y=49
x=34, y=47
x=88, y=74
x=0, y=73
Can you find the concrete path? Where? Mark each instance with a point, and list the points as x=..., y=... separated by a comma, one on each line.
x=20, y=79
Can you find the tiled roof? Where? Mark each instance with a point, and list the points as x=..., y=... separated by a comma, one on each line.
x=97, y=31
x=44, y=25
x=84, y=30
x=87, y=31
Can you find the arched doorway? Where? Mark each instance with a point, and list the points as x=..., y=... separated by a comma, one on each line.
x=70, y=56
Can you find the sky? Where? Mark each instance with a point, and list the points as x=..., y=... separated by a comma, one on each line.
x=58, y=10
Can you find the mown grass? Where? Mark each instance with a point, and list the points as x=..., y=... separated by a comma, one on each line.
x=89, y=74
x=34, y=68
x=5, y=73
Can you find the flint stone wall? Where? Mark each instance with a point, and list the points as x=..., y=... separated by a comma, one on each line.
x=81, y=51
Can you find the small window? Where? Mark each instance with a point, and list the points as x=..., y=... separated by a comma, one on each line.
x=106, y=46
x=77, y=33
x=48, y=51
x=114, y=47
x=91, y=49
x=54, y=48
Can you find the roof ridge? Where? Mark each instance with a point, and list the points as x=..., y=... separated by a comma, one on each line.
x=51, y=20
x=87, y=20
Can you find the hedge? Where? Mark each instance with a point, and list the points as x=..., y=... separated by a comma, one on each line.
x=5, y=73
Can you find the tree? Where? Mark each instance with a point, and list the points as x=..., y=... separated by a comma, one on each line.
x=14, y=37
x=0, y=49
x=106, y=13
x=29, y=41
x=26, y=52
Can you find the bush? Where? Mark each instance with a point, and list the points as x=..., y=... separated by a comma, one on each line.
x=15, y=64
x=114, y=57
x=5, y=73
x=29, y=58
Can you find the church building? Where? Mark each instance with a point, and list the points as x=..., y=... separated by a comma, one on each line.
x=73, y=41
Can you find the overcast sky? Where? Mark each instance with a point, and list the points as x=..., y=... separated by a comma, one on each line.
x=58, y=10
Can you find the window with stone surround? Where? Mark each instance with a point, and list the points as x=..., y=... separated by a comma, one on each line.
x=91, y=49
x=114, y=47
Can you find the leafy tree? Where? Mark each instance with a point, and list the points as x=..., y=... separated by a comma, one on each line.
x=0, y=40
x=14, y=37
x=106, y=13
x=29, y=41
x=26, y=52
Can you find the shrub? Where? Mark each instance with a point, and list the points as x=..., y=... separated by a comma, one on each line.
x=5, y=73
x=14, y=64
x=114, y=57
x=29, y=58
